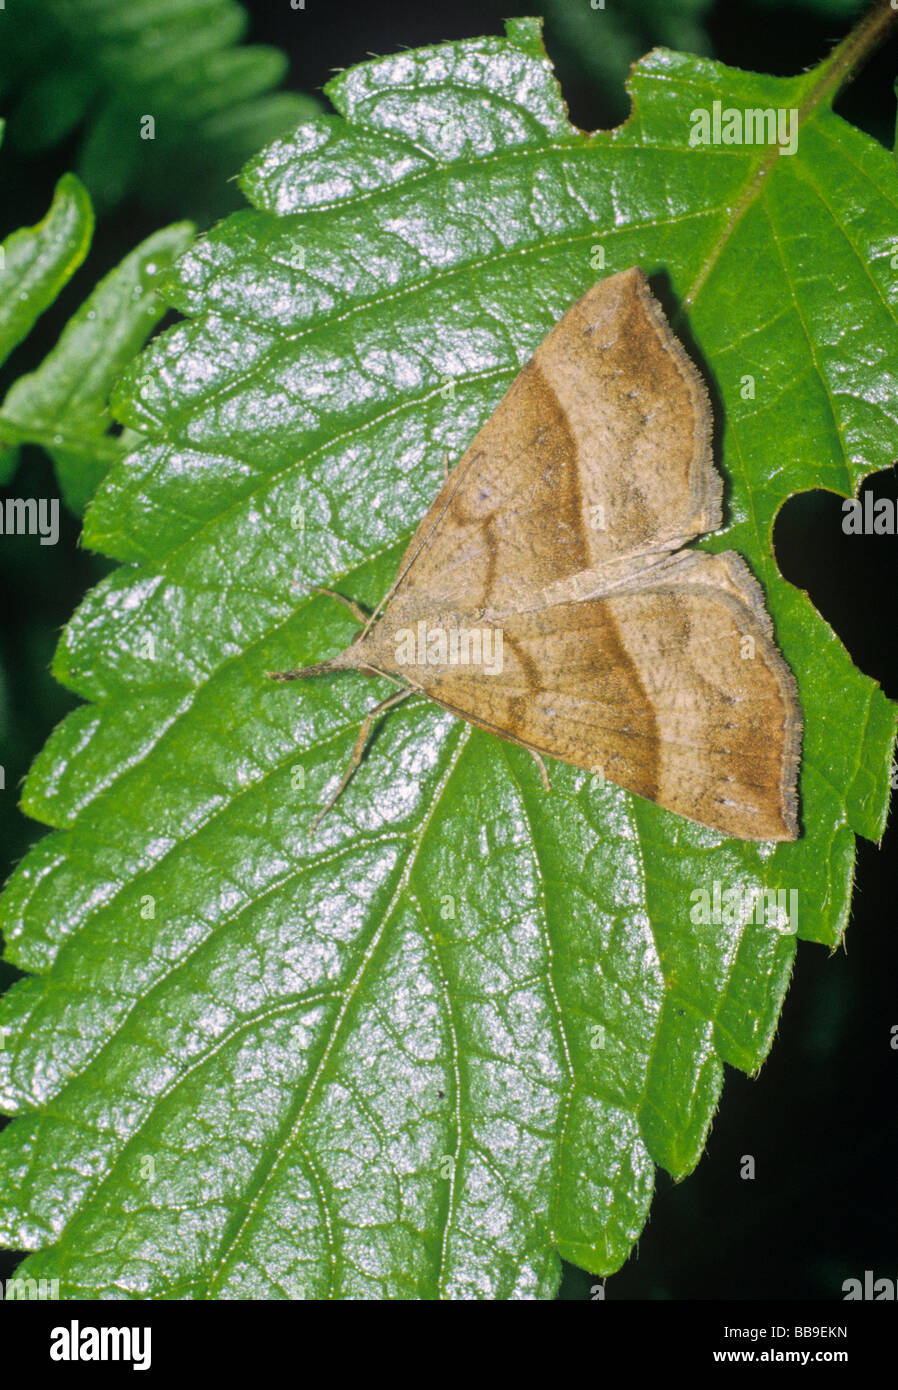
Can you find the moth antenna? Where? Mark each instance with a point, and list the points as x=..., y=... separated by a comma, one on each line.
x=317, y=669
x=358, y=613
x=343, y=661
x=462, y=472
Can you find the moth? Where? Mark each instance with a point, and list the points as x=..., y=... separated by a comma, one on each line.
x=557, y=542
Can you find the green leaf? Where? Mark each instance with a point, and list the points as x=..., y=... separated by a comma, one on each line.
x=447, y=1037
x=35, y=264
x=101, y=66
x=67, y=397
x=63, y=405
x=38, y=261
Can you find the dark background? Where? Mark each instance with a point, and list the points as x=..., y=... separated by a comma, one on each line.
x=820, y=1119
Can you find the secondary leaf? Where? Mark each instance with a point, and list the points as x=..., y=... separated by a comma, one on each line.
x=63, y=405
x=37, y=261
x=65, y=402
x=101, y=66
x=449, y=1036
x=35, y=264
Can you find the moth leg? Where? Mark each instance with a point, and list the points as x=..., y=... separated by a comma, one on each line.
x=358, y=613
x=542, y=768
x=445, y=466
x=359, y=748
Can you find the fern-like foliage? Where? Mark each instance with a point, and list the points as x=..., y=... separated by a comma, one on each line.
x=95, y=69
x=63, y=404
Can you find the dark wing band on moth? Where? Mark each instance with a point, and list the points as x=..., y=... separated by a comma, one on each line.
x=599, y=452
x=649, y=688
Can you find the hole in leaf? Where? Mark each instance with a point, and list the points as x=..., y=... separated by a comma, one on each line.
x=850, y=578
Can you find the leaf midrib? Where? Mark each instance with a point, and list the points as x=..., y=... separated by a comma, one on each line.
x=822, y=85
x=231, y=1237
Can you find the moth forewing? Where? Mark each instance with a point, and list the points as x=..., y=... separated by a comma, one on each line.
x=557, y=541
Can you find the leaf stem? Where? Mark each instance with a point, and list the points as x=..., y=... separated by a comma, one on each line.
x=102, y=448
x=849, y=56
x=823, y=84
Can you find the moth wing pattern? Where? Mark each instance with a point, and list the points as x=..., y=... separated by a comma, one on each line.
x=671, y=687
x=598, y=458
x=562, y=528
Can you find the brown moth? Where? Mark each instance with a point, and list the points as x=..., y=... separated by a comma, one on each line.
x=546, y=597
